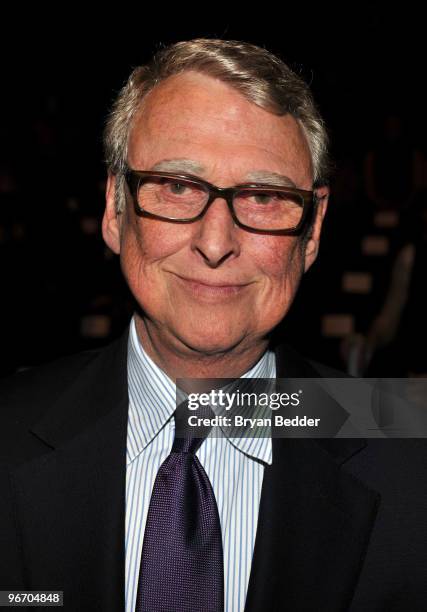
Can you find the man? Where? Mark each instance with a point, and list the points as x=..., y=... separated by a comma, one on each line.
x=215, y=201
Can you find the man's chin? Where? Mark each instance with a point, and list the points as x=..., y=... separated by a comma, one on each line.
x=211, y=344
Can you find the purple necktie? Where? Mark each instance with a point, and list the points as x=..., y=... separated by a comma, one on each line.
x=182, y=560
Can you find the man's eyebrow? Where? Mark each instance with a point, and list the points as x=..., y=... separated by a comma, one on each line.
x=270, y=178
x=179, y=166
x=184, y=165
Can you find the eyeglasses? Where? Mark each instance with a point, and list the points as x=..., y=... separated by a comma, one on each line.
x=182, y=198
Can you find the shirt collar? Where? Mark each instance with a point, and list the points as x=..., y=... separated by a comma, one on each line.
x=152, y=401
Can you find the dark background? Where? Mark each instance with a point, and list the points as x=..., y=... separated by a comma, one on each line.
x=61, y=290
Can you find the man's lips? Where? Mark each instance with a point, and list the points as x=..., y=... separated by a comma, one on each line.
x=217, y=289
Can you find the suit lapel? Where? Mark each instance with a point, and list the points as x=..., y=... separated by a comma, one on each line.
x=70, y=497
x=314, y=521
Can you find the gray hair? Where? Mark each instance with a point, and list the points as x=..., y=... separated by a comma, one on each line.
x=260, y=76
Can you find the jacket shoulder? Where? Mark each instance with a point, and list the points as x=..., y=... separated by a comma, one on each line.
x=326, y=371
x=291, y=364
x=25, y=396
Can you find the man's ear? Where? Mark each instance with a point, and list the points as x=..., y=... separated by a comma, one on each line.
x=111, y=222
x=312, y=246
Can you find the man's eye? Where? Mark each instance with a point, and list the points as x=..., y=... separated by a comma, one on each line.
x=177, y=188
x=263, y=198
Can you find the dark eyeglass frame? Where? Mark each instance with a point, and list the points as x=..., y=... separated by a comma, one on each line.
x=309, y=199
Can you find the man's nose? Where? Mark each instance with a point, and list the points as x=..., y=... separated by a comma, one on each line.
x=215, y=236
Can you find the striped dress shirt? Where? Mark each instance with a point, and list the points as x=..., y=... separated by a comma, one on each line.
x=235, y=468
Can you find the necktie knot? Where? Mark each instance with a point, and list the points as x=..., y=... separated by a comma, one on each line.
x=189, y=436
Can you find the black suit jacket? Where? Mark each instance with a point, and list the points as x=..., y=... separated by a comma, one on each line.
x=342, y=523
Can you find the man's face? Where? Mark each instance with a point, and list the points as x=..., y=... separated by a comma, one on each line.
x=210, y=286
